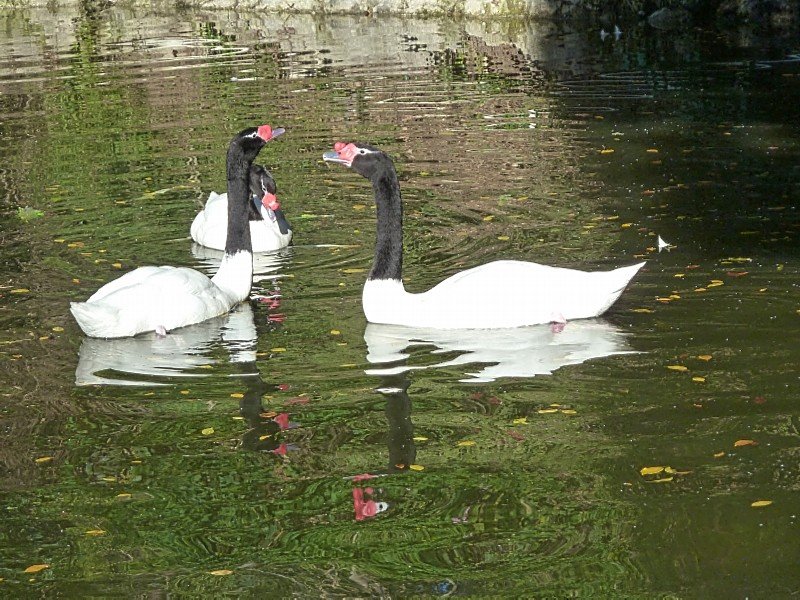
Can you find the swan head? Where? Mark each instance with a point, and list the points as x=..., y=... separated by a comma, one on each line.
x=364, y=159
x=261, y=181
x=250, y=141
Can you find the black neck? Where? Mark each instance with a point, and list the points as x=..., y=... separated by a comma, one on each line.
x=388, y=263
x=238, y=203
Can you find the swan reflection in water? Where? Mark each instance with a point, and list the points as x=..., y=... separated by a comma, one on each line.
x=517, y=352
x=152, y=360
x=266, y=265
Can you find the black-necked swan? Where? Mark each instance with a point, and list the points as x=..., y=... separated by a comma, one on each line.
x=503, y=293
x=269, y=229
x=164, y=298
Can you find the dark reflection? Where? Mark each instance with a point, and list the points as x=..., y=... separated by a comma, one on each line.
x=400, y=438
x=150, y=359
x=517, y=352
x=265, y=426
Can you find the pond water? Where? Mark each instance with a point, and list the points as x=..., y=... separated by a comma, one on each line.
x=291, y=449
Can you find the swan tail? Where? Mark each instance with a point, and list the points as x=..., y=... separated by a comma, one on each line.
x=617, y=284
x=96, y=319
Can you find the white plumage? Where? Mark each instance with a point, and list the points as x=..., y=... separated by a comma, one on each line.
x=503, y=293
x=210, y=227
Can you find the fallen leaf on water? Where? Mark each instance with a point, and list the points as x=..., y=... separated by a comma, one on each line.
x=736, y=273
x=626, y=225
x=544, y=411
x=237, y=395
x=719, y=454
x=335, y=332
x=416, y=467
x=207, y=431
x=739, y=443
x=37, y=568
x=705, y=357
x=569, y=411
x=672, y=471
x=760, y=503
x=642, y=310
x=699, y=379
x=652, y=150
x=220, y=572
x=184, y=392
x=58, y=329
x=679, y=275
x=352, y=270
x=116, y=265
x=521, y=421
x=95, y=532
x=277, y=349
x=19, y=291
x=466, y=443
x=662, y=480
x=680, y=368
x=650, y=470
x=44, y=459
x=123, y=496
x=700, y=290
x=420, y=438
x=607, y=151
x=503, y=238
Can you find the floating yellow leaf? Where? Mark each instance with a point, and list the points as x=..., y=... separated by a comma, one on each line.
x=503, y=238
x=760, y=503
x=521, y=421
x=544, y=411
x=352, y=270
x=466, y=443
x=207, y=431
x=184, y=392
x=662, y=480
x=335, y=332
x=679, y=275
x=261, y=438
x=680, y=368
x=20, y=291
x=95, y=532
x=37, y=568
x=416, y=467
x=650, y=470
x=237, y=395
x=739, y=443
x=607, y=151
x=75, y=280
x=626, y=225
x=700, y=290
x=277, y=349
x=44, y=459
x=205, y=367
x=714, y=284
x=420, y=438
x=116, y=265
x=652, y=150
x=719, y=454
x=359, y=206
x=642, y=310
x=488, y=218
x=58, y=329
x=220, y=572
x=705, y=357
x=569, y=411
x=348, y=365
x=123, y=496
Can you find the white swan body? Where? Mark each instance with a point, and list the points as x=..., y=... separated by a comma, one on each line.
x=209, y=227
x=164, y=298
x=500, y=294
x=504, y=293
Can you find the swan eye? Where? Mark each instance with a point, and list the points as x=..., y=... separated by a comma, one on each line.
x=362, y=151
